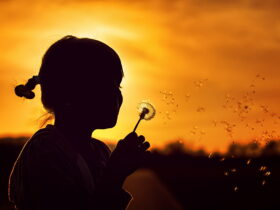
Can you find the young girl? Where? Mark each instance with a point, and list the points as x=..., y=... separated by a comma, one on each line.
x=61, y=166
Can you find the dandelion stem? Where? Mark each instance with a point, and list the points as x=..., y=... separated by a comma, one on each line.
x=137, y=124
x=142, y=116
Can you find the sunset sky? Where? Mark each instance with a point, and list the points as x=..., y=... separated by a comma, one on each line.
x=211, y=68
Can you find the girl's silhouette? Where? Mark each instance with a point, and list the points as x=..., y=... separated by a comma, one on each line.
x=61, y=166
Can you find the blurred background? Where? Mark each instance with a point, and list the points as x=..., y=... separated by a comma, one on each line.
x=211, y=69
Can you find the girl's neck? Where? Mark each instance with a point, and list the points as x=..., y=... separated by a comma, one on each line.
x=74, y=131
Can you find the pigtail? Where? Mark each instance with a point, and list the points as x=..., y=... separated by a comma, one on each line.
x=26, y=90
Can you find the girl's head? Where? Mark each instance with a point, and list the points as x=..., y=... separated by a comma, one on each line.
x=80, y=79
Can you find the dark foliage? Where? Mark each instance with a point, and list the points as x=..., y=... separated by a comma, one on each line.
x=248, y=177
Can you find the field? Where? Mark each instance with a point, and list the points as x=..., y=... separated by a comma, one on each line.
x=248, y=177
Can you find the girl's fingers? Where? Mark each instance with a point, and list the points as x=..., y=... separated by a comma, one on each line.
x=141, y=139
x=131, y=139
x=132, y=142
x=145, y=145
x=131, y=136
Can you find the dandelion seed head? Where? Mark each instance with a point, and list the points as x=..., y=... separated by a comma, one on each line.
x=147, y=109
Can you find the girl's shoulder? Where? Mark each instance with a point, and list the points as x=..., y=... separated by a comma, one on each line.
x=101, y=146
x=49, y=142
x=44, y=139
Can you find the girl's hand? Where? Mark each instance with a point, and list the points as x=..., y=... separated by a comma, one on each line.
x=127, y=157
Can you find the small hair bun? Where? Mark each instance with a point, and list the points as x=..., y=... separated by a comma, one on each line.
x=26, y=90
x=23, y=91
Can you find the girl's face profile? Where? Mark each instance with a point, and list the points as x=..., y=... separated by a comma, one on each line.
x=110, y=101
x=99, y=106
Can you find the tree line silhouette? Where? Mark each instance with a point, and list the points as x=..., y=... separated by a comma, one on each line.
x=247, y=176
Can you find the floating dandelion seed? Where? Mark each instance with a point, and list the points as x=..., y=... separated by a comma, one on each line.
x=248, y=162
x=233, y=170
x=263, y=168
x=180, y=142
x=202, y=132
x=187, y=97
x=200, y=109
x=222, y=159
x=267, y=173
x=235, y=189
x=200, y=83
x=146, y=112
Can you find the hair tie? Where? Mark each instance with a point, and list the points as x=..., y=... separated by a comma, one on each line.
x=26, y=90
x=36, y=79
x=31, y=83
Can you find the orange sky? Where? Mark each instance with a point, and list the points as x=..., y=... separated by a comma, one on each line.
x=211, y=68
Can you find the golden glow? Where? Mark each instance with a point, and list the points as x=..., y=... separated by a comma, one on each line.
x=211, y=69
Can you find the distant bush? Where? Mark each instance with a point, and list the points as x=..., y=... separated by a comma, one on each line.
x=252, y=149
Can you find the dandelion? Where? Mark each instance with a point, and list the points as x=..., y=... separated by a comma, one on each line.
x=146, y=111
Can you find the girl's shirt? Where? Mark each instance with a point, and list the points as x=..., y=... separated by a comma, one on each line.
x=51, y=174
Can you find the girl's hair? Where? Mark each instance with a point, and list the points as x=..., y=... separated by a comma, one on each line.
x=70, y=66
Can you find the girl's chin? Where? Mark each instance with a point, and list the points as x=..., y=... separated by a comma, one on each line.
x=106, y=125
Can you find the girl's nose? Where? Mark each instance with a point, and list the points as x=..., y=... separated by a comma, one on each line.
x=120, y=98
